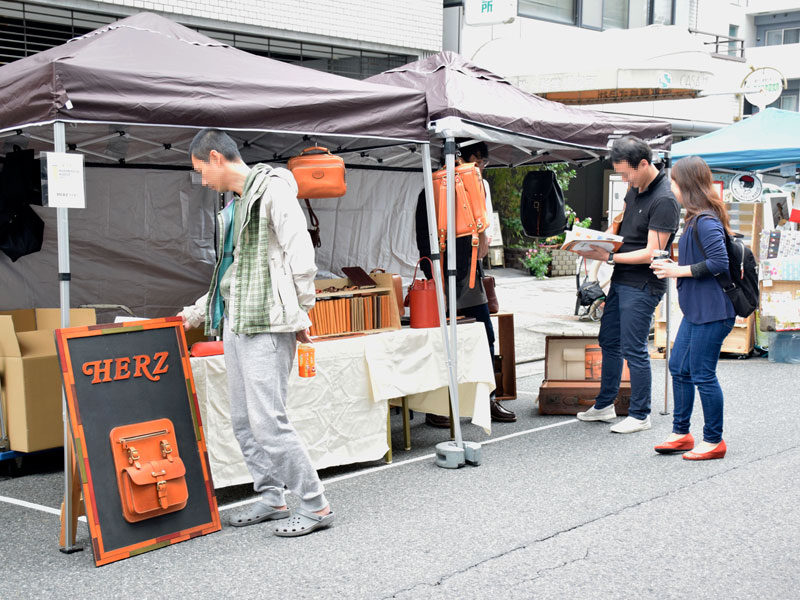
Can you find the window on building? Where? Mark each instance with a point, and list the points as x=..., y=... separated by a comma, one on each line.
x=662, y=12
x=26, y=29
x=601, y=14
x=774, y=37
x=791, y=36
x=733, y=47
x=561, y=11
x=788, y=102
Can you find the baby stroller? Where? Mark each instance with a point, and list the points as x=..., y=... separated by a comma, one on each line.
x=591, y=295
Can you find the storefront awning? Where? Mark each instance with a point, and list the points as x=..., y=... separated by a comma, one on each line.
x=668, y=64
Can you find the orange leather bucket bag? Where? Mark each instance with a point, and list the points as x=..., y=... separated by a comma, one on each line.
x=151, y=476
x=470, y=216
x=422, y=300
x=319, y=174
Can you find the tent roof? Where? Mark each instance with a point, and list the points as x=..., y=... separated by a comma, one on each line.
x=458, y=89
x=148, y=70
x=762, y=142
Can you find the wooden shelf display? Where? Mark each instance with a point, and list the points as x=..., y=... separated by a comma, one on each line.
x=358, y=310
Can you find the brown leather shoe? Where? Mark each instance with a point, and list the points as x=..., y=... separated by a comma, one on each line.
x=440, y=421
x=500, y=413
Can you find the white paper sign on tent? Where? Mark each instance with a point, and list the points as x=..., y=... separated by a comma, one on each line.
x=63, y=184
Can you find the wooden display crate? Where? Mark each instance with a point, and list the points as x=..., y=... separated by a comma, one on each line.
x=384, y=288
x=568, y=387
x=741, y=339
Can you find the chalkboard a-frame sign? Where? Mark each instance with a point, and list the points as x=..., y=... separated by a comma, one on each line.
x=137, y=435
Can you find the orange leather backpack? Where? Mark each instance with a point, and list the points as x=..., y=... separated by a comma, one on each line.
x=319, y=174
x=470, y=208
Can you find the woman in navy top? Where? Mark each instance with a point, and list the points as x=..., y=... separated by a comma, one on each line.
x=708, y=314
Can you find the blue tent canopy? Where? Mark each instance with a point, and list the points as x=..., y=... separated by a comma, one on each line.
x=764, y=141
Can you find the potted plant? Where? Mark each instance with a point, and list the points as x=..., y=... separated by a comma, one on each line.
x=536, y=260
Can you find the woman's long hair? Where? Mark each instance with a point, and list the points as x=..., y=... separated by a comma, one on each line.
x=698, y=194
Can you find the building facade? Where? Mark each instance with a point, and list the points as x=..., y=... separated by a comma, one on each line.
x=354, y=38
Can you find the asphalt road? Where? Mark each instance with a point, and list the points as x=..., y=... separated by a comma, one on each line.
x=558, y=509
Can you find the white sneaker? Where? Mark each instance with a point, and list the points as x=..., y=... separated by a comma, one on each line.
x=606, y=414
x=631, y=425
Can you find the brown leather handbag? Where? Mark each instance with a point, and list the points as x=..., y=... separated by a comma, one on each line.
x=151, y=476
x=319, y=174
x=491, y=295
x=314, y=233
x=471, y=218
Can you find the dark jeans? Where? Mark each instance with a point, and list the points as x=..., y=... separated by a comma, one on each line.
x=624, y=329
x=481, y=313
x=693, y=363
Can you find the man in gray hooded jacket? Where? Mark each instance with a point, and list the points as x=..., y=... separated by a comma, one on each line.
x=261, y=292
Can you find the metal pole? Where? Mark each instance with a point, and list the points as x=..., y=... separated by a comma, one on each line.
x=60, y=145
x=436, y=258
x=450, y=165
x=667, y=313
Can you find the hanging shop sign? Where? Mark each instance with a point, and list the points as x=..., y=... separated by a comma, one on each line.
x=746, y=187
x=489, y=12
x=137, y=434
x=763, y=86
x=63, y=183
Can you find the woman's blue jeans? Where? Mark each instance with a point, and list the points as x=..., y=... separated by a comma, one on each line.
x=693, y=363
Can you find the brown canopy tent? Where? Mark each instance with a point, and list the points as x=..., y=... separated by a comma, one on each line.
x=465, y=100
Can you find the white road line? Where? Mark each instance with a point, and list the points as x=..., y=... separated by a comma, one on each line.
x=25, y=504
x=337, y=479
x=409, y=461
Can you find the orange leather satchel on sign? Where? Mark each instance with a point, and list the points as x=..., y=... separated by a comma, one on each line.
x=318, y=175
x=470, y=208
x=150, y=473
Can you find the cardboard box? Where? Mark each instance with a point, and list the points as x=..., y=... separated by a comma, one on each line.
x=31, y=377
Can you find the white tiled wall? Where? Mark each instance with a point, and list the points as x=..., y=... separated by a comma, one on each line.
x=415, y=24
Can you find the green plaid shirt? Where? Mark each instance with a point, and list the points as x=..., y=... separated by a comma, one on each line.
x=252, y=288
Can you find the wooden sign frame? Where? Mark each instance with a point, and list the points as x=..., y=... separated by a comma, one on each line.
x=128, y=394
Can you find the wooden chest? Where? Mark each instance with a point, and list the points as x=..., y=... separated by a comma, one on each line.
x=572, y=377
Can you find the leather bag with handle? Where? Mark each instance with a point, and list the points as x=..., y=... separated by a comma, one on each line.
x=471, y=218
x=319, y=174
x=151, y=476
x=421, y=301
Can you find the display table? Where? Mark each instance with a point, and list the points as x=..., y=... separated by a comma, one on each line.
x=341, y=414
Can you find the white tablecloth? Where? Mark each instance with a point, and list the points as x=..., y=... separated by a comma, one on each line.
x=341, y=413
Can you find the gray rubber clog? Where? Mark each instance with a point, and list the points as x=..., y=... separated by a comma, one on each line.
x=257, y=513
x=303, y=522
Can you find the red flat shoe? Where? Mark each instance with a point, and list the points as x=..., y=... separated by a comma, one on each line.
x=718, y=452
x=682, y=444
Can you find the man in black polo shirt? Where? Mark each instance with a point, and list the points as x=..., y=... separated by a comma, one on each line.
x=650, y=221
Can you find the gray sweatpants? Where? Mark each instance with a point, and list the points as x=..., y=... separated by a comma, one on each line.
x=258, y=368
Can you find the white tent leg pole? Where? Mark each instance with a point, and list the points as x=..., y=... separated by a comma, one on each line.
x=60, y=145
x=450, y=165
x=667, y=311
x=667, y=314
x=435, y=256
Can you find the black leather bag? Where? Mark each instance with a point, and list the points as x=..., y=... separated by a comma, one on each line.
x=740, y=283
x=542, y=205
